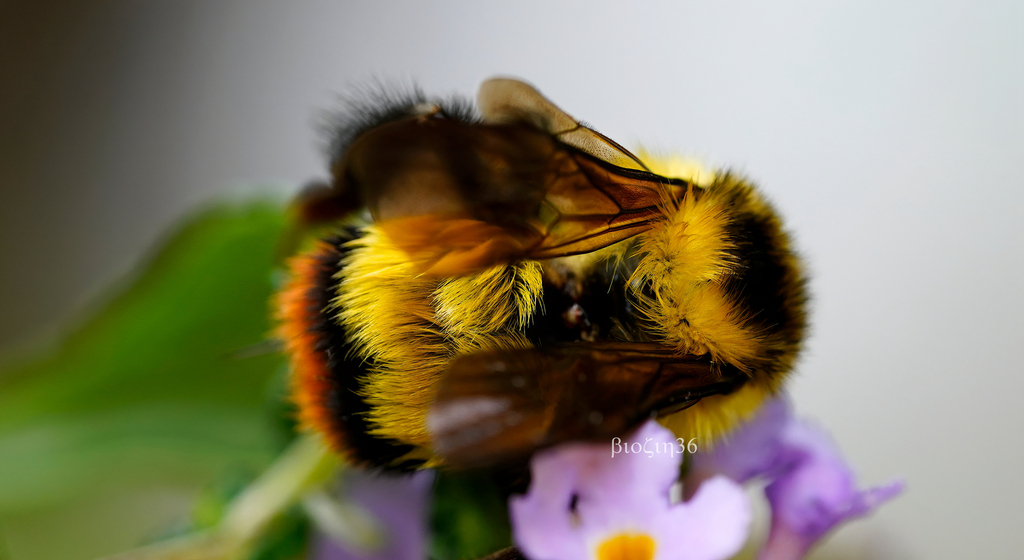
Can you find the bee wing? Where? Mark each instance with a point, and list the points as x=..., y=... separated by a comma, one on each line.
x=506, y=100
x=528, y=183
x=590, y=204
x=502, y=405
x=583, y=204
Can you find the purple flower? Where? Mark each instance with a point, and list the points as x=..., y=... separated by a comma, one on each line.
x=811, y=488
x=587, y=503
x=752, y=450
x=398, y=504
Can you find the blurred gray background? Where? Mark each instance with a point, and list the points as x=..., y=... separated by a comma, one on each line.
x=889, y=134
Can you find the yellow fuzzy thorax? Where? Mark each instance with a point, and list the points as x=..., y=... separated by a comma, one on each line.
x=685, y=260
x=410, y=326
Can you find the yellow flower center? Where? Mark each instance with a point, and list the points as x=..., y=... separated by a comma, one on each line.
x=627, y=547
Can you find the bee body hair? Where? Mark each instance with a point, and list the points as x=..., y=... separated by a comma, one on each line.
x=518, y=237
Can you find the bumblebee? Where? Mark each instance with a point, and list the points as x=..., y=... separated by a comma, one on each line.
x=504, y=278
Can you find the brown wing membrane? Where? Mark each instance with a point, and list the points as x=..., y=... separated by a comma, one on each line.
x=502, y=405
x=507, y=100
x=594, y=204
x=529, y=182
x=460, y=197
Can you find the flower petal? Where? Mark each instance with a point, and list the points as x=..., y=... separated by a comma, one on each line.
x=541, y=521
x=397, y=502
x=753, y=449
x=622, y=498
x=711, y=526
x=818, y=493
x=811, y=488
x=643, y=476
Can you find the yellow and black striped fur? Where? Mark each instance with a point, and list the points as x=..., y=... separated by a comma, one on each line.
x=711, y=276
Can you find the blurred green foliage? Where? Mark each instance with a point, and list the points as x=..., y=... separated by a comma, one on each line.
x=171, y=382
x=174, y=383
x=469, y=517
x=287, y=539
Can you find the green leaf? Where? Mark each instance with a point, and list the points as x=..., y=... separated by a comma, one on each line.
x=166, y=382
